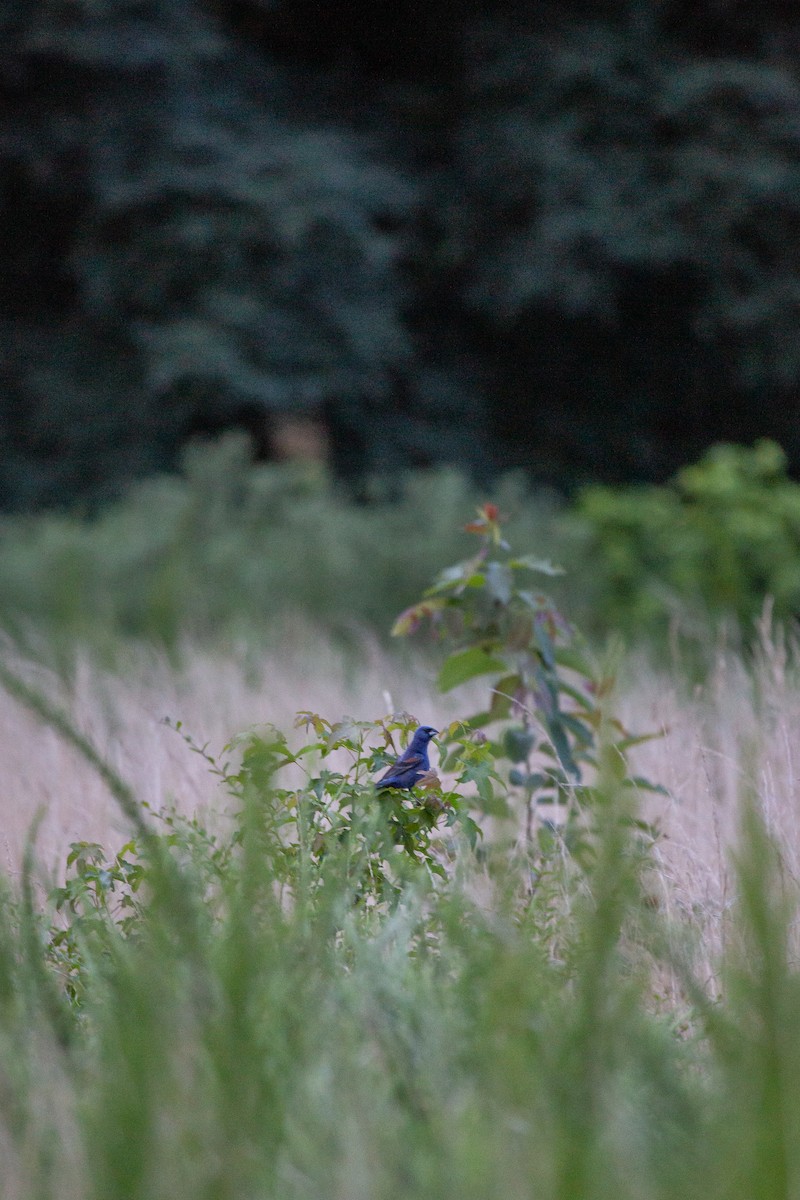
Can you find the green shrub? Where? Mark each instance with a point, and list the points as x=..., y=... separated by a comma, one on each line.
x=548, y=708
x=714, y=543
x=229, y=548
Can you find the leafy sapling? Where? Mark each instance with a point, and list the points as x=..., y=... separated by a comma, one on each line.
x=547, y=705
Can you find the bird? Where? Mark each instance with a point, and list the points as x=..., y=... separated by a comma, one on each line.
x=412, y=764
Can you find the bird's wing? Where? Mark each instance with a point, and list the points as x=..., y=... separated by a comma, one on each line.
x=406, y=762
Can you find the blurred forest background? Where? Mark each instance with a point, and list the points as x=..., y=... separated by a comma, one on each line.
x=557, y=237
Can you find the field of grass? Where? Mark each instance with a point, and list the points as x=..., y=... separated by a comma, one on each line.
x=627, y=1027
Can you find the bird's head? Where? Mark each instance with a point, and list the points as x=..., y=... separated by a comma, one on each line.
x=424, y=734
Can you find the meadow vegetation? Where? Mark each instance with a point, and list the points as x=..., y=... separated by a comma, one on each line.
x=227, y=549
x=564, y=967
x=710, y=544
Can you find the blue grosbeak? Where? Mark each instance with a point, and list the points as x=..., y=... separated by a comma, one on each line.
x=412, y=763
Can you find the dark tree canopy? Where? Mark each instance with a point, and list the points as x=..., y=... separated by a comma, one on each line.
x=567, y=240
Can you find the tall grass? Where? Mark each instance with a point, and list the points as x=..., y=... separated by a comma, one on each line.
x=631, y=1029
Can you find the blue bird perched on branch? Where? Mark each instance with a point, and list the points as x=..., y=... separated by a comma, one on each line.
x=412, y=764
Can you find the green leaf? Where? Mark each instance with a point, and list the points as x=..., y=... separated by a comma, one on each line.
x=481, y=774
x=307, y=718
x=517, y=744
x=493, y=805
x=545, y=645
x=520, y=632
x=581, y=698
x=582, y=733
x=531, y=563
x=558, y=736
x=532, y=782
x=471, y=829
x=467, y=664
x=456, y=578
x=499, y=582
x=644, y=785
x=637, y=739
x=573, y=660
x=503, y=694
x=310, y=748
x=535, y=600
x=344, y=733
x=478, y=720
x=411, y=618
x=452, y=577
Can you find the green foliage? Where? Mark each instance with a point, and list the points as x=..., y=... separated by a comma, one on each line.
x=329, y=820
x=215, y=553
x=472, y=236
x=757, y=1037
x=96, y=893
x=715, y=542
x=332, y=806
x=488, y=613
x=198, y=249
x=311, y=1042
x=205, y=253
x=440, y=1045
x=594, y=151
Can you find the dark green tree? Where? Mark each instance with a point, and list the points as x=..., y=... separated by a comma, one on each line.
x=563, y=237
